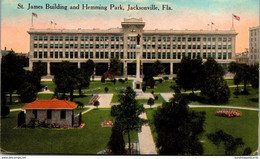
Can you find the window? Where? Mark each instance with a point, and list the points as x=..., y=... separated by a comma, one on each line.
x=204, y=55
x=97, y=55
x=45, y=54
x=159, y=55
x=51, y=38
x=40, y=54
x=35, y=37
x=61, y=54
x=63, y=114
x=40, y=45
x=40, y=37
x=61, y=38
x=144, y=55
x=45, y=46
x=229, y=55
x=224, y=55
x=168, y=55
x=219, y=55
x=174, y=55
x=67, y=38
x=86, y=54
x=61, y=46
x=45, y=38
x=49, y=113
x=34, y=45
x=164, y=55
x=51, y=54
x=56, y=55
x=82, y=55
x=179, y=55
x=106, y=55
x=112, y=55
x=71, y=38
x=34, y=113
x=35, y=54
x=71, y=55
x=66, y=54
x=56, y=38
x=76, y=54
x=153, y=55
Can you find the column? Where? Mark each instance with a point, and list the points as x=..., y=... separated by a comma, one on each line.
x=125, y=69
x=30, y=65
x=78, y=64
x=171, y=68
x=48, y=68
x=138, y=61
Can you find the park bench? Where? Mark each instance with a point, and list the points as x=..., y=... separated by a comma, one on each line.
x=93, y=99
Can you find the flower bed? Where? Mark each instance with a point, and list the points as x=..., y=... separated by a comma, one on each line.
x=228, y=113
x=119, y=88
x=107, y=123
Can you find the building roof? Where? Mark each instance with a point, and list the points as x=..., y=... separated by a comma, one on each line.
x=51, y=104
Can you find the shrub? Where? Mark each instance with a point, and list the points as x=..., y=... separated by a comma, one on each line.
x=160, y=80
x=114, y=81
x=121, y=80
x=144, y=88
x=5, y=110
x=126, y=79
x=103, y=80
x=165, y=78
x=152, y=92
x=106, y=89
x=174, y=78
x=21, y=119
x=96, y=104
x=156, y=97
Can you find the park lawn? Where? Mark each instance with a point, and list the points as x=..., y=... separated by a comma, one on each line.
x=91, y=139
x=165, y=86
x=250, y=100
x=99, y=87
x=50, y=84
x=230, y=82
x=160, y=99
x=78, y=110
x=245, y=127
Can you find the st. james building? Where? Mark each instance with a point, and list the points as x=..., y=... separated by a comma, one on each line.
x=52, y=46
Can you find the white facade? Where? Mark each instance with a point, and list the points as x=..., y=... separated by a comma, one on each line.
x=253, y=45
x=168, y=46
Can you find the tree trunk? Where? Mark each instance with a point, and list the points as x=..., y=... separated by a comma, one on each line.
x=129, y=146
x=245, y=83
x=71, y=95
x=10, y=97
x=80, y=91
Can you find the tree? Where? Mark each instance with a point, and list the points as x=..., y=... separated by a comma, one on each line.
x=103, y=80
x=96, y=104
x=190, y=74
x=127, y=112
x=65, y=78
x=106, y=89
x=89, y=68
x=21, y=118
x=83, y=80
x=40, y=68
x=254, y=76
x=178, y=128
x=28, y=92
x=157, y=68
x=150, y=102
x=115, y=67
x=116, y=143
x=214, y=87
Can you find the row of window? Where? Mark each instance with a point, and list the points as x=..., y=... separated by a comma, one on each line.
x=180, y=55
x=76, y=38
x=82, y=46
x=130, y=55
x=49, y=114
x=189, y=46
x=130, y=38
x=71, y=55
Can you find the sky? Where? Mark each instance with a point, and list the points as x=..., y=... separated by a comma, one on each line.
x=185, y=14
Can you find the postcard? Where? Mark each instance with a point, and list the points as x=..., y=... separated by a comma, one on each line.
x=130, y=77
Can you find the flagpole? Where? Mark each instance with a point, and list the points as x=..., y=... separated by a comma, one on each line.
x=32, y=21
x=232, y=21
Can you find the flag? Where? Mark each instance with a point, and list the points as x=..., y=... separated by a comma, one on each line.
x=51, y=21
x=212, y=23
x=35, y=15
x=236, y=17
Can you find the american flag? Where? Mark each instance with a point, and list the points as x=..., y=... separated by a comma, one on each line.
x=35, y=15
x=236, y=17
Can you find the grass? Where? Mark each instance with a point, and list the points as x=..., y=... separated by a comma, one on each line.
x=245, y=127
x=51, y=85
x=160, y=99
x=165, y=86
x=78, y=110
x=250, y=100
x=88, y=140
x=229, y=82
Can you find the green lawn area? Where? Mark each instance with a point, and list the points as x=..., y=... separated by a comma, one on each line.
x=78, y=110
x=88, y=140
x=160, y=99
x=51, y=85
x=165, y=86
x=245, y=127
x=229, y=82
x=250, y=100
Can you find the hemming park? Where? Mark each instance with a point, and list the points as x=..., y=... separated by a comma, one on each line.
x=195, y=112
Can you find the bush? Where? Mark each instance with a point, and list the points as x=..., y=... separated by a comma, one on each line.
x=160, y=80
x=21, y=119
x=165, y=78
x=126, y=79
x=96, y=104
x=247, y=151
x=106, y=89
x=5, y=111
x=174, y=78
x=156, y=97
x=152, y=92
x=103, y=80
x=114, y=81
x=144, y=88
x=150, y=82
x=121, y=80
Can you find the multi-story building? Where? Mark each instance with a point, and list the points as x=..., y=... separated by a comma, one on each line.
x=253, y=45
x=51, y=46
x=242, y=57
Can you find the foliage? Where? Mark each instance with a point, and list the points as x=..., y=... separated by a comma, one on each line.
x=96, y=104
x=108, y=75
x=214, y=88
x=21, y=119
x=40, y=68
x=115, y=67
x=190, y=74
x=144, y=88
x=150, y=101
x=89, y=67
x=106, y=89
x=116, y=143
x=231, y=144
x=254, y=76
x=127, y=113
x=157, y=68
x=166, y=78
x=5, y=110
x=28, y=92
x=149, y=81
x=103, y=80
x=247, y=151
x=178, y=128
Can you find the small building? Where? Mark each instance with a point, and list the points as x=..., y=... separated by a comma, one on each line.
x=54, y=111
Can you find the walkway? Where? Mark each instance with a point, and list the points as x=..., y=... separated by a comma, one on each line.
x=147, y=145
x=105, y=99
x=222, y=106
x=167, y=96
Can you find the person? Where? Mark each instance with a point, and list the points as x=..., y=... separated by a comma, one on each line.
x=138, y=39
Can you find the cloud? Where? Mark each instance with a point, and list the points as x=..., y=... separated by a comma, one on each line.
x=12, y=2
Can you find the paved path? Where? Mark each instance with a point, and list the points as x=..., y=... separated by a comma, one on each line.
x=222, y=106
x=147, y=145
x=167, y=96
x=105, y=99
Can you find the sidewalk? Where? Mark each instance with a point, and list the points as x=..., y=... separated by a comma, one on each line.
x=147, y=145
